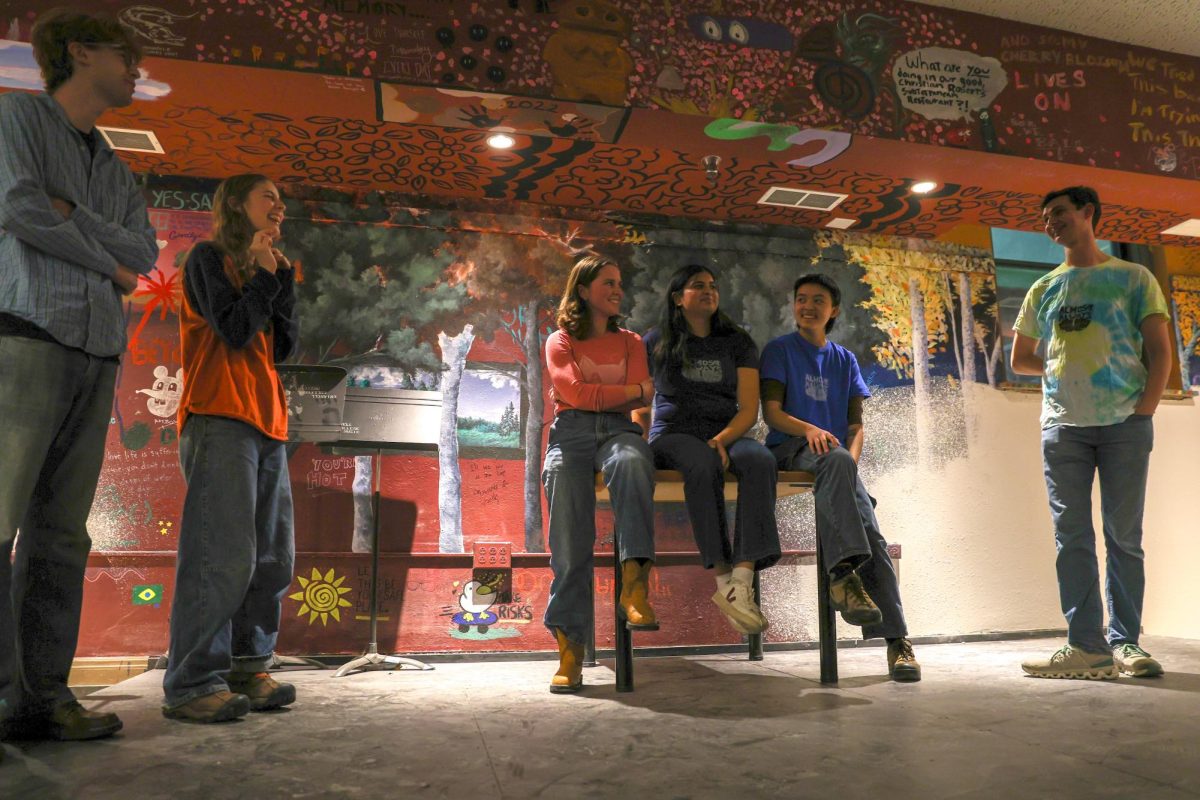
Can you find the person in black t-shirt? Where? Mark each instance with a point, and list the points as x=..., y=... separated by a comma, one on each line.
x=705, y=371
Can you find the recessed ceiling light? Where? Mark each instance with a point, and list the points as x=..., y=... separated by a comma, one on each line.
x=924, y=187
x=501, y=141
x=840, y=222
x=1189, y=227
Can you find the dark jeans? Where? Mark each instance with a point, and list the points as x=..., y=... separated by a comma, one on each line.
x=1072, y=457
x=236, y=553
x=755, y=535
x=55, y=404
x=848, y=528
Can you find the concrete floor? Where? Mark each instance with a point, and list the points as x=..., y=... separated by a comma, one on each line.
x=697, y=727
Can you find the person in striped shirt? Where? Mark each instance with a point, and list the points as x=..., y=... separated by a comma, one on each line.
x=74, y=235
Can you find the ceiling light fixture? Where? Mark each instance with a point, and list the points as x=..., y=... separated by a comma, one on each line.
x=841, y=223
x=924, y=187
x=501, y=141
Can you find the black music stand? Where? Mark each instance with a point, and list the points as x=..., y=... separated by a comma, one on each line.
x=376, y=420
x=372, y=659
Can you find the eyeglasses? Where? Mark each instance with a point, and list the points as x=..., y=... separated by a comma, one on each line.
x=127, y=55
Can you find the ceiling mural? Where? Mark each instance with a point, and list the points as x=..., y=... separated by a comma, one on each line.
x=692, y=109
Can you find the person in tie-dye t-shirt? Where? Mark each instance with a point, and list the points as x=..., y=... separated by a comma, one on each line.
x=1107, y=352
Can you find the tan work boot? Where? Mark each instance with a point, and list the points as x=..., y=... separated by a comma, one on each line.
x=849, y=597
x=903, y=666
x=265, y=692
x=635, y=600
x=219, y=706
x=71, y=722
x=569, y=677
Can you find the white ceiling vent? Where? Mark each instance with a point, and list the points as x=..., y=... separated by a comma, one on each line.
x=129, y=139
x=801, y=198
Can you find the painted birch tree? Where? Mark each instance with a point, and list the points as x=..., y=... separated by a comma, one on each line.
x=519, y=279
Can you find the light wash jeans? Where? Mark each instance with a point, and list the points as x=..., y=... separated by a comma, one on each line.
x=55, y=404
x=1072, y=455
x=236, y=552
x=848, y=528
x=755, y=534
x=581, y=444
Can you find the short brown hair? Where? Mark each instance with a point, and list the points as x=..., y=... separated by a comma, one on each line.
x=56, y=29
x=1079, y=196
x=572, y=311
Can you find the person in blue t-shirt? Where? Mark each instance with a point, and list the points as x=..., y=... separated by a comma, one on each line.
x=705, y=371
x=813, y=395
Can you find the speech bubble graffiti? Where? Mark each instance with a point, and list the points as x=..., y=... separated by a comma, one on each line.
x=940, y=83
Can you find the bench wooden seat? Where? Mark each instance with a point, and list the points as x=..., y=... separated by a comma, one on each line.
x=668, y=485
x=668, y=488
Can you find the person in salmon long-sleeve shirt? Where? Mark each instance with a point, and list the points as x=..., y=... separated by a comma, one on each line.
x=598, y=374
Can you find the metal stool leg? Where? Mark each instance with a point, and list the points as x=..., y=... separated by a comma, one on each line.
x=826, y=622
x=589, y=647
x=623, y=635
x=755, y=640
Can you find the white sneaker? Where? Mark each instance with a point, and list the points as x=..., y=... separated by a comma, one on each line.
x=736, y=602
x=1071, y=662
x=1133, y=660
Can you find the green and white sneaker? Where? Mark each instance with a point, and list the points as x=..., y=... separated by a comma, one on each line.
x=1071, y=662
x=1133, y=660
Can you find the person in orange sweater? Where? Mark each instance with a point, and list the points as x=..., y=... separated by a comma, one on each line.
x=598, y=374
x=236, y=541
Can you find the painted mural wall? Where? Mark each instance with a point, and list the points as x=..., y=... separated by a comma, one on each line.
x=460, y=302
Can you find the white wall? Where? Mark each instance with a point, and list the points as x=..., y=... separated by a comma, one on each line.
x=978, y=546
x=1172, y=535
x=978, y=550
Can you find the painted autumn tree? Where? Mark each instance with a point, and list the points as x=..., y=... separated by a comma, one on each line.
x=923, y=299
x=519, y=279
x=1185, y=298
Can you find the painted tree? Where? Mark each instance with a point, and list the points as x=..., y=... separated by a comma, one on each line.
x=369, y=289
x=369, y=292
x=967, y=314
x=510, y=421
x=986, y=319
x=519, y=279
x=922, y=298
x=1185, y=300
x=454, y=355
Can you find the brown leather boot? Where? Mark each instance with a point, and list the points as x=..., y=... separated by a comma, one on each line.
x=635, y=596
x=569, y=677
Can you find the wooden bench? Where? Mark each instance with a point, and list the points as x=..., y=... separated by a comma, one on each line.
x=668, y=488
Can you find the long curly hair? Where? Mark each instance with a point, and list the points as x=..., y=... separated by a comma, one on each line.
x=232, y=231
x=572, y=310
x=672, y=326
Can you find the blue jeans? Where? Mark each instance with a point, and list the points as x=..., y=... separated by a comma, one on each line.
x=55, y=404
x=236, y=552
x=848, y=528
x=755, y=534
x=581, y=444
x=1072, y=456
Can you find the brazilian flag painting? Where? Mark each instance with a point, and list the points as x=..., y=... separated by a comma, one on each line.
x=148, y=594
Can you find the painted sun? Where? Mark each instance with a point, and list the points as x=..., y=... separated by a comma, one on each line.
x=321, y=596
